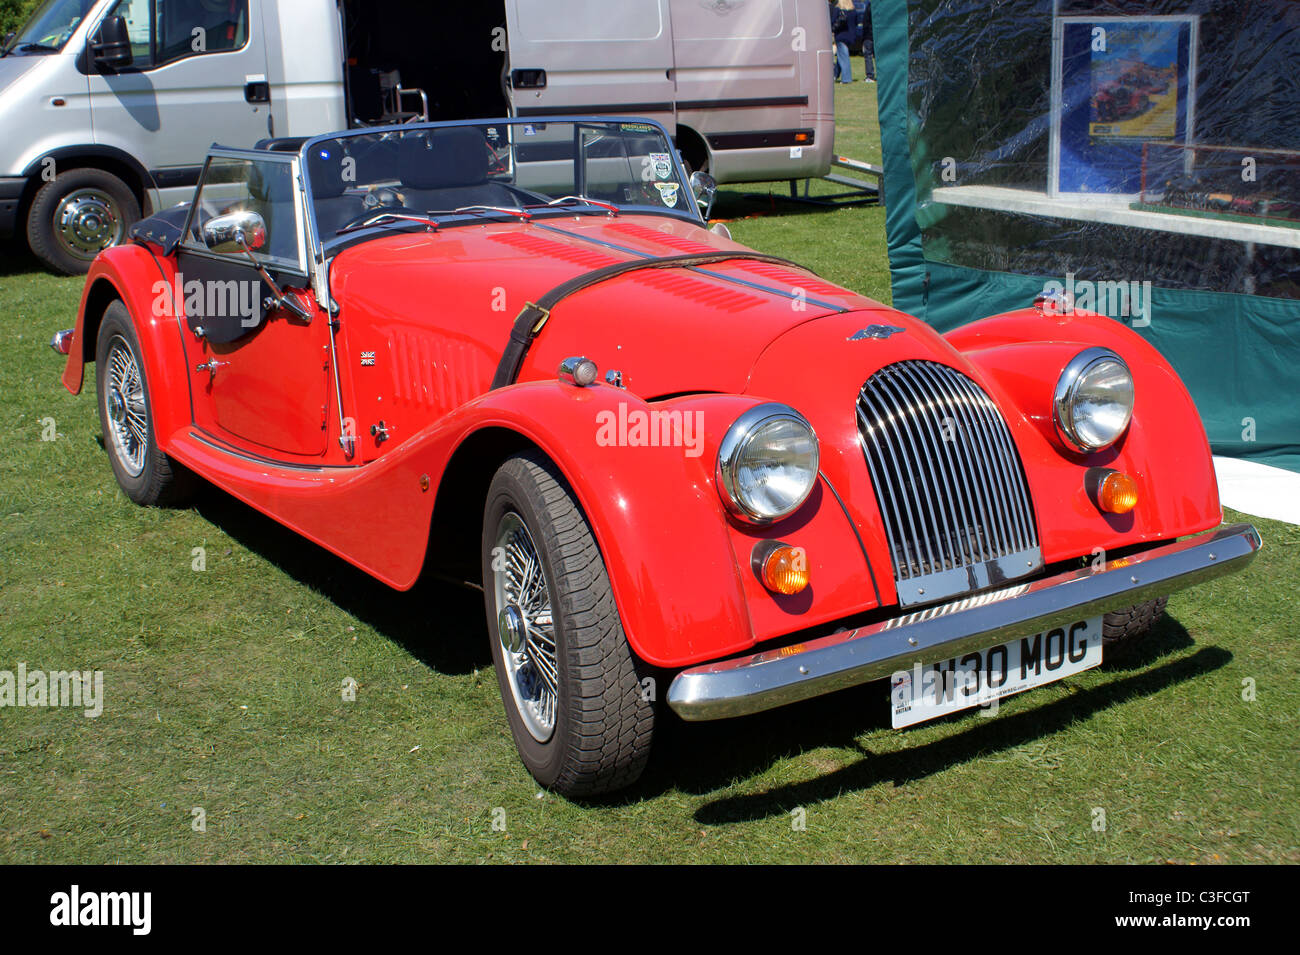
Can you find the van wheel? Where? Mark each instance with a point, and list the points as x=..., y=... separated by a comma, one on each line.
x=147, y=475
x=579, y=714
x=77, y=215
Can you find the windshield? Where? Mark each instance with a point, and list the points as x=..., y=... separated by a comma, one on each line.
x=50, y=26
x=504, y=169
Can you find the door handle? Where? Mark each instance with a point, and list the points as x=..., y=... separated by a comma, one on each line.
x=259, y=92
x=528, y=79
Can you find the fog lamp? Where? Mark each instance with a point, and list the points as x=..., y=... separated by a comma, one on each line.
x=1113, y=491
x=782, y=569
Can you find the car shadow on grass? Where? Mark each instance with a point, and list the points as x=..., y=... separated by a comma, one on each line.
x=438, y=623
x=706, y=757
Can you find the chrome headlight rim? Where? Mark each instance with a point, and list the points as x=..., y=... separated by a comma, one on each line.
x=1066, y=391
x=733, y=444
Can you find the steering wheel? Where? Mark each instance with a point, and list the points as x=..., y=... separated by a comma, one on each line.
x=382, y=211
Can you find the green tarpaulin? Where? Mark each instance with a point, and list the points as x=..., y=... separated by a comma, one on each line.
x=1019, y=136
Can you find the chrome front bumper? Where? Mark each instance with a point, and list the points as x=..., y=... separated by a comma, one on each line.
x=773, y=678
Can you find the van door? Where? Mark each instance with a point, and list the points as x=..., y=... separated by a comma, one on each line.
x=198, y=77
x=591, y=57
x=750, y=82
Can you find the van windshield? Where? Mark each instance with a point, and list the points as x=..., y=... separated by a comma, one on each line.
x=49, y=27
x=505, y=169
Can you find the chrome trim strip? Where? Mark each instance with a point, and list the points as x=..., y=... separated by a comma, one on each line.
x=761, y=681
x=216, y=445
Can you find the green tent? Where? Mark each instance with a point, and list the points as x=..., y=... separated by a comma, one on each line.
x=1145, y=156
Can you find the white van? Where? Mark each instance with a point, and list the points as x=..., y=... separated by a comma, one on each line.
x=107, y=107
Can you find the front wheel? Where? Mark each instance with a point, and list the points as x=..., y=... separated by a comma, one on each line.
x=147, y=475
x=1122, y=628
x=581, y=718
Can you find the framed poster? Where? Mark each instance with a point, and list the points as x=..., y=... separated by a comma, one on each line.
x=1118, y=83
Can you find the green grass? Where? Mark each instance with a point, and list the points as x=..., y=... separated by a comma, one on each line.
x=223, y=691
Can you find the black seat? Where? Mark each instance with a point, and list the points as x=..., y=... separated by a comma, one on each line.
x=448, y=168
x=333, y=208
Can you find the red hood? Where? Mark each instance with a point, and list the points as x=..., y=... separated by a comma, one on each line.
x=668, y=332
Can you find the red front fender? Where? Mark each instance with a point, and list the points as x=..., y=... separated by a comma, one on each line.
x=1165, y=449
x=139, y=279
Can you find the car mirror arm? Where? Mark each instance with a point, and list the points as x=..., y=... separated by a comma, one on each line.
x=277, y=297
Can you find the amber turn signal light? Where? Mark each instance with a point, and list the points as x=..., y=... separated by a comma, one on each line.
x=782, y=569
x=1113, y=491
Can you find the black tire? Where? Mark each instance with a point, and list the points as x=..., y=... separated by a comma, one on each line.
x=603, y=721
x=1125, y=627
x=159, y=481
x=78, y=214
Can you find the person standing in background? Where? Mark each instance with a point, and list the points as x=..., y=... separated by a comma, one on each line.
x=842, y=16
x=868, y=41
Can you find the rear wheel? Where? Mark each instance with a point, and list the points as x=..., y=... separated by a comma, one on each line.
x=147, y=475
x=77, y=215
x=580, y=717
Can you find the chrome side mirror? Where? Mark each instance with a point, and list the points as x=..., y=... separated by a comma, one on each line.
x=235, y=233
x=244, y=233
x=705, y=188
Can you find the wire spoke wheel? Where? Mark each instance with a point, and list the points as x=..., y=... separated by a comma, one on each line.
x=128, y=416
x=525, y=626
x=579, y=714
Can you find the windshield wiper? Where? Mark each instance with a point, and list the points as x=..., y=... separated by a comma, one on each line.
x=380, y=217
x=37, y=48
x=613, y=209
x=481, y=210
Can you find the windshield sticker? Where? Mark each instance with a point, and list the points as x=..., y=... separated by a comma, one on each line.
x=637, y=128
x=663, y=165
x=667, y=192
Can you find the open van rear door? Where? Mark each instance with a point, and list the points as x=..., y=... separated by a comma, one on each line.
x=591, y=57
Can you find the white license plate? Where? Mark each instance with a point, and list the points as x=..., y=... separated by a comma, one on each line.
x=929, y=691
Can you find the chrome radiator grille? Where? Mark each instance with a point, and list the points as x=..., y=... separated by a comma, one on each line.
x=948, y=480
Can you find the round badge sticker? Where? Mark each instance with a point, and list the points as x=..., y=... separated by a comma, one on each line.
x=667, y=193
x=663, y=165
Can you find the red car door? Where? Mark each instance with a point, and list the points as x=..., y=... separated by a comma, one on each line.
x=262, y=381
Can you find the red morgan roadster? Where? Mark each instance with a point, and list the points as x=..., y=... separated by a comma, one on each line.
x=679, y=469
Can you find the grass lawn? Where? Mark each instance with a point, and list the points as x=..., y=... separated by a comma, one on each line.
x=223, y=688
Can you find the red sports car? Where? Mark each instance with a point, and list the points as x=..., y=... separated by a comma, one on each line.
x=680, y=470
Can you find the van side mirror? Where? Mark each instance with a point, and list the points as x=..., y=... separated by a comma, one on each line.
x=111, y=45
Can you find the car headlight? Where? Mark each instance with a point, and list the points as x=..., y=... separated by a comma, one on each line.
x=767, y=463
x=1093, y=403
